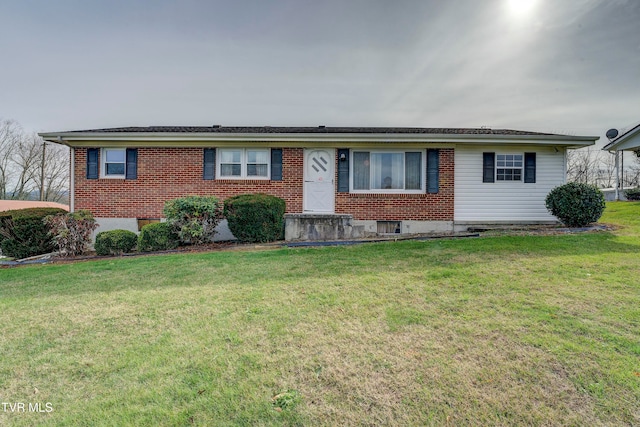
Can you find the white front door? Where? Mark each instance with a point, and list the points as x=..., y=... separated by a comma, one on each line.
x=319, y=189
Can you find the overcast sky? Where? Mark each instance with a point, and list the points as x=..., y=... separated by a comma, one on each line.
x=565, y=66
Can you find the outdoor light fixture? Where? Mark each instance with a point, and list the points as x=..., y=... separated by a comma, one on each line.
x=343, y=157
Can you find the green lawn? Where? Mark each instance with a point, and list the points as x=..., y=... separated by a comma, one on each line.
x=508, y=330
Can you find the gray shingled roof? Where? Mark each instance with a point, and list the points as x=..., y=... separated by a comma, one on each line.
x=307, y=130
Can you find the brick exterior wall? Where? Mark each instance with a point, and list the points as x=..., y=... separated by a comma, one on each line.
x=419, y=207
x=168, y=173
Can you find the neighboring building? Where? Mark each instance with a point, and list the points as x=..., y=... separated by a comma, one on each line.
x=338, y=182
x=618, y=144
x=10, y=205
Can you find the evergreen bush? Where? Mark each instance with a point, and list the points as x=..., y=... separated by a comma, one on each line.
x=632, y=194
x=23, y=232
x=576, y=204
x=193, y=218
x=115, y=242
x=255, y=217
x=157, y=237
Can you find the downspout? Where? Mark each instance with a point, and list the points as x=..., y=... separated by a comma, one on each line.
x=617, y=192
x=72, y=175
x=72, y=181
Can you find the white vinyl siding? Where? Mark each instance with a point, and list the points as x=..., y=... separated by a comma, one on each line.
x=504, y=201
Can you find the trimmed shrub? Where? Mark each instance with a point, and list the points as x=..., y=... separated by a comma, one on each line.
x=115, y=242
x=576, y=204
x=72, y=231
x=255, y=217
x=632, y=194
x=157, y=237
x=23, y=232
x=193, y=218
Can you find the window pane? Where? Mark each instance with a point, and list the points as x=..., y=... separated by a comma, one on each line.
x=387, y=171
x=230, y=156
x=114, y=168
x=114, y=156
x=361, y=170
x=230, y=170
x=412, y=171
x=256, y=170
x=257, y=156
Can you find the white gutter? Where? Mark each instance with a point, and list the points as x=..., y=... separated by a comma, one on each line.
x=184, y=138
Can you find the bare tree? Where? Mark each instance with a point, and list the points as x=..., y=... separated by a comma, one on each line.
x=632, y=179
x=582, y=166
x=606, y=170
x=29, y=166
x=10, y=133
x=55, y=174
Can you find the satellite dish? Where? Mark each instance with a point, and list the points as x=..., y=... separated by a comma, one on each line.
x=612, y=133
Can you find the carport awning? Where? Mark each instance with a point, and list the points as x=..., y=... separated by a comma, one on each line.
x=628, y=141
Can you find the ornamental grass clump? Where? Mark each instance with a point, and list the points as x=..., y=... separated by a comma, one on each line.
x=576, y=204
x=72, y=231
x=193, y=218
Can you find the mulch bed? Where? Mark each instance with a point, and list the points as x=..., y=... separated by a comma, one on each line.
x=537, y=230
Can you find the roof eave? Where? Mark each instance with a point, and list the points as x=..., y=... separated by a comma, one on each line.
x=620, y=142
x=76, y=139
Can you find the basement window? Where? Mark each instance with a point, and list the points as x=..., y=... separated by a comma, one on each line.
x=389, y=227
x=145, y=221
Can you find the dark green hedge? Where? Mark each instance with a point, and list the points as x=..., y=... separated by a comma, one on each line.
x=157, y=237
x=255, y=217
x=23, y=232
x=576, y=204
x=115, y=242
x=632, y=194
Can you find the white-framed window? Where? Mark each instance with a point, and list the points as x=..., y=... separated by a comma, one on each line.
x=113, y=162
x=509, y=167
x=243, y=163
x=387, y=171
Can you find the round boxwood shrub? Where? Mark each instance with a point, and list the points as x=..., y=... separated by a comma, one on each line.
x=115, y=242
x=576, y=204
x=255, y=217
x=23, y=232
x=157, y=237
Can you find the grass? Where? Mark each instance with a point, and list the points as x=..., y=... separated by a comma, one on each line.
x=508, y=330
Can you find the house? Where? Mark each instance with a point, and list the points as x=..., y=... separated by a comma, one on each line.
x=338, y=182
x=618, y=144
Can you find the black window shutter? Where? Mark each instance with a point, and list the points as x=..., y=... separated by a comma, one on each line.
x=433, y=170
x=132, y=164
x=343, y=170
x=276, y=164
x=209, y=164
x=93, y=160
x=529, y=168
x=488, y=167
